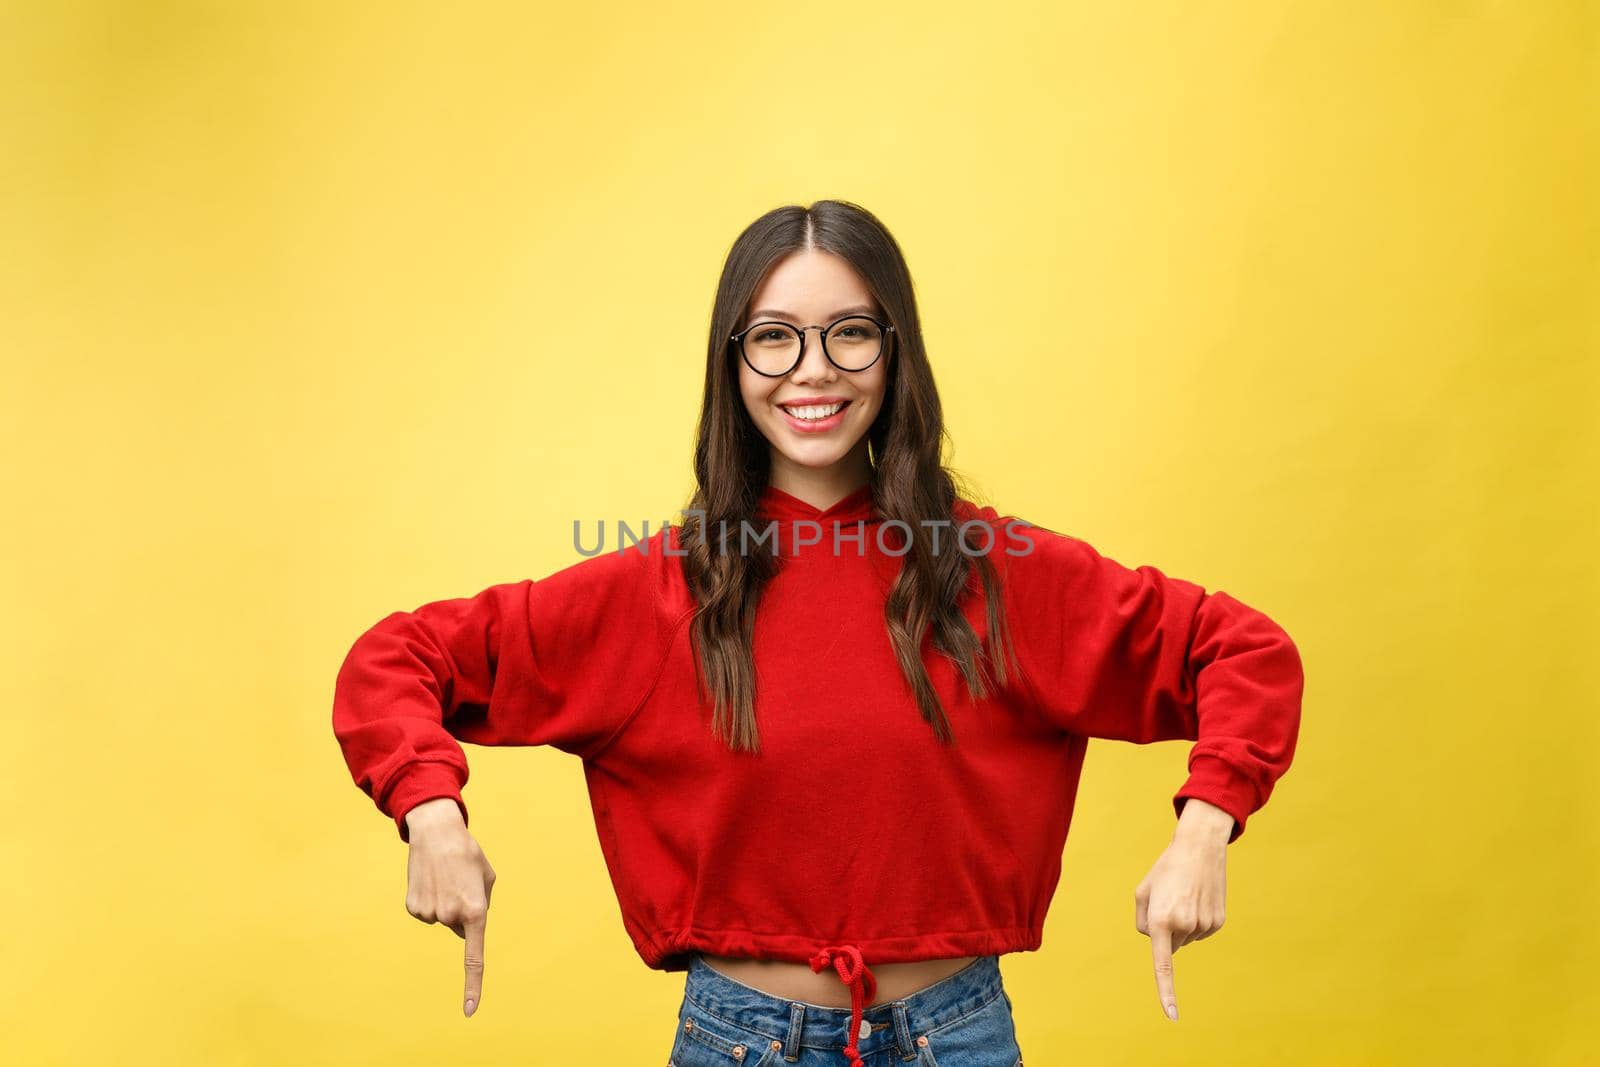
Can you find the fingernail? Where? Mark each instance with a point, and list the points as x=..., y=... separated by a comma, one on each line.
x=1172, y=1012
x=471, y=1006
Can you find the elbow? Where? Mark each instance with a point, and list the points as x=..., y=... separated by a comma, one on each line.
x=1288, y=654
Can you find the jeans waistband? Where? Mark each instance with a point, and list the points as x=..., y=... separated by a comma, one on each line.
x=893, y=1023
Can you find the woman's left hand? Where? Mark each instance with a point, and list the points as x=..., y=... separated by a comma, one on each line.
x=1181, y=899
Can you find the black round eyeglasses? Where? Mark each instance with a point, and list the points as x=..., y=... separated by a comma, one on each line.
x=773, y=348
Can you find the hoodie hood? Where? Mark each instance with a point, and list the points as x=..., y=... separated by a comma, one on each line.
x=786, y=507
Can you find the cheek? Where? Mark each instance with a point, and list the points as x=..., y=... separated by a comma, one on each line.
x=873, y=390
x=750, y=391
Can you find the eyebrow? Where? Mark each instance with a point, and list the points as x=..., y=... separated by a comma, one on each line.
x=770, y=313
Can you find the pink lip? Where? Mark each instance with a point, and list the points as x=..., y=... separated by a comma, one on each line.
x=816, y=425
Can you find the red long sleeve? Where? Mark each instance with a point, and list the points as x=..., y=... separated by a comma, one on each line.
x=1134, y=655
x=562, y=661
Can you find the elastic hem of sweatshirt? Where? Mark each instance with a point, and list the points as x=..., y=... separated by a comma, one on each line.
x=849, y=961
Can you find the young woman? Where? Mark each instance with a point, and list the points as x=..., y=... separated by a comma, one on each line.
x=832, y=724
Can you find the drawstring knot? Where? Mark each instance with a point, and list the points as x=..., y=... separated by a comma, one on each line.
x=853, y=971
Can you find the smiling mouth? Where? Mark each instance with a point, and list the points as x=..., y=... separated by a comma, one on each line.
x=814, y=412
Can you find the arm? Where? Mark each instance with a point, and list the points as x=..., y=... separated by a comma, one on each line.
x=561, y=661
x=1134, y=655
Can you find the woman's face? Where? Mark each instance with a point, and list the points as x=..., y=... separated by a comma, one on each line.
x=814, y=288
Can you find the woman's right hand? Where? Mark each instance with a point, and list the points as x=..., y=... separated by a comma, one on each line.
x=449, y=881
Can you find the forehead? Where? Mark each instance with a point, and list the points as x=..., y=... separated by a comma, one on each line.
x=813, y=286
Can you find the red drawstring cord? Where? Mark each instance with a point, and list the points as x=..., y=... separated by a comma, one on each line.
x=847, y=961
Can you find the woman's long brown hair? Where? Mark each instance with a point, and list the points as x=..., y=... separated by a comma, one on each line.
x=909, y=482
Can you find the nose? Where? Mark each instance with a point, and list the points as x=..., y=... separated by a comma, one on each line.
x=813, y=363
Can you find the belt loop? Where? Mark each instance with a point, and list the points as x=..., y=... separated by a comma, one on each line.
x=797, y=1023
x=902, y=1031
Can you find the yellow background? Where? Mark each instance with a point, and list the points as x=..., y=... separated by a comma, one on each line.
x=314, y=311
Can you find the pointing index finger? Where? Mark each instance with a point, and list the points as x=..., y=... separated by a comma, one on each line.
x=474, y=963
x=1161, y=953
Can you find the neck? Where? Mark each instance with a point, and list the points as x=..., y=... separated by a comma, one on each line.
x=821, y=487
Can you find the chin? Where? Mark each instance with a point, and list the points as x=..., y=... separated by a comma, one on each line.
x=818, y=456
x=816, y=460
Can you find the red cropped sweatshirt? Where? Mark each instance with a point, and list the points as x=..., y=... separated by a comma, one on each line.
x=853, y=836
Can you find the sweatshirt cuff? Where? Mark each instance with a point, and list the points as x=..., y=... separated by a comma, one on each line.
x=1216, y=781
x=424, y=781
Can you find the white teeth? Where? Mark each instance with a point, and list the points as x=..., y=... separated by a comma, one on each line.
x=813, y=413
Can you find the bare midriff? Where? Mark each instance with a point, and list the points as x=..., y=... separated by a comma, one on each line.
x=797, y=981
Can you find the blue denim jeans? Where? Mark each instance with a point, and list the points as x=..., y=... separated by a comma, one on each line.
x=962, y=1020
